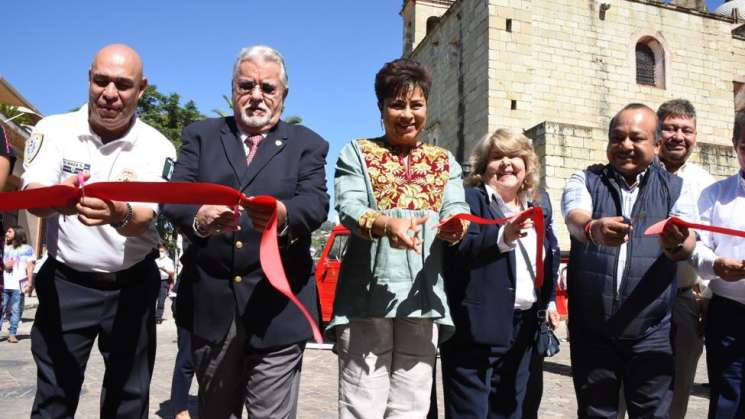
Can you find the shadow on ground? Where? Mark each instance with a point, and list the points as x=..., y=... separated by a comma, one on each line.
x=700, y=390
x=556, y=368
x=165, y=410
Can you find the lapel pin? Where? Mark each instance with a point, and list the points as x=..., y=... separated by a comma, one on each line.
x=278, y=143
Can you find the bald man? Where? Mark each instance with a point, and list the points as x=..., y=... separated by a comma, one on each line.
x=622, y=282
x=100, y=280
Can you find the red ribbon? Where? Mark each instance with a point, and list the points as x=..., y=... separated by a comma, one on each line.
x=171, y=193
x=534, y=213
x=657, y=228
x=271, y=263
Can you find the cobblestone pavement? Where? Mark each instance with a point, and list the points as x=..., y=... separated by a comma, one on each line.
x=318, y=383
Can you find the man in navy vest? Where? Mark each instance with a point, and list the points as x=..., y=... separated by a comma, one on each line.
x=621, y=282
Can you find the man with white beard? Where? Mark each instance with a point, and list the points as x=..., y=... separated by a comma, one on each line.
x=247, y=339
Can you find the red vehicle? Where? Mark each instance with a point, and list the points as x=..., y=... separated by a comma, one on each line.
x=562, y=299
x=327, y=269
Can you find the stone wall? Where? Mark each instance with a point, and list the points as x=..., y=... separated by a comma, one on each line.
x=583, y=68
x=456, y=53
x=564, y=149
x=415, y=14
x=559, y=61
x=719, y=159
x=561, y=69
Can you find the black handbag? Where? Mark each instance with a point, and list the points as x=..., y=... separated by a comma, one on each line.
x=546, y=342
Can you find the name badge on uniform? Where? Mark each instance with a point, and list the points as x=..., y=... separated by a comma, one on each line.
x=168, y=168
x=74, y=167
x=33, y=145
x=127, y=175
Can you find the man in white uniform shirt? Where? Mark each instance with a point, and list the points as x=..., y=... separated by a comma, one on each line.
x=721, y=258
x=677, y=133
x=166, y=271
x=100, y=280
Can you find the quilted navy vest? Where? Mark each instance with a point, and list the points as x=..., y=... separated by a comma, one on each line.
x=644, y=300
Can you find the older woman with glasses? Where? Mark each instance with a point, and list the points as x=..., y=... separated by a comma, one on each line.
x=491, y=285
x=390, y=310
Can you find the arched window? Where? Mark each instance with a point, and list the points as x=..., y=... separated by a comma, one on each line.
x=650, y=63
x=432, y=21
x=644, y=64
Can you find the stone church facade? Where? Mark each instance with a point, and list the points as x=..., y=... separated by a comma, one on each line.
x=560, y=69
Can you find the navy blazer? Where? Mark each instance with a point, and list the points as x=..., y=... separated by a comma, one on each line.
x=221, y=273
x=480, y=280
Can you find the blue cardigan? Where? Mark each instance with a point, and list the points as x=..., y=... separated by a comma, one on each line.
x=480, y=280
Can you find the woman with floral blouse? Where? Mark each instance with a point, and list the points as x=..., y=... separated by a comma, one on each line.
x=390, y=310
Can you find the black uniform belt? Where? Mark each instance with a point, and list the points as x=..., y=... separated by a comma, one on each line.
x=104, y=280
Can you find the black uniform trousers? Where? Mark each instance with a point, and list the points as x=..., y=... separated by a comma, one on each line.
x=725, y=357
x=645, y=366
x=480, y=382
x=75, y=308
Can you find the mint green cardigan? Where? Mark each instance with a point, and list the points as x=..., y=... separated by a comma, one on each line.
x=376, y=280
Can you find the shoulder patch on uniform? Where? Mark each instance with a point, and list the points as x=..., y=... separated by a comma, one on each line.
x=33, y=145
x=168, y=168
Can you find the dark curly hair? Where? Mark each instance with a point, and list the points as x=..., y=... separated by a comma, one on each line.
x=398, y=76
x=19, y=236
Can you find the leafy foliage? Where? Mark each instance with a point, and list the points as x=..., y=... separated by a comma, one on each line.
x=319, y=238
x=167, y=231
x=165, y=113
x=229, y=104
x=19, y=117
x=294, y=120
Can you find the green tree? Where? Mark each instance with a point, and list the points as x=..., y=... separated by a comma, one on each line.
x=165, y=113
x=294, y=120
x=223, y=113
x=18, y=116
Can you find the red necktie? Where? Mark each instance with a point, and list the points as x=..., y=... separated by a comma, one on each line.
x=253, y=143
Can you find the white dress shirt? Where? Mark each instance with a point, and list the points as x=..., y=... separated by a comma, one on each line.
x=243, y=136
x=525, y=295
x=696, y=179
x=164, y=262
x=722, y=204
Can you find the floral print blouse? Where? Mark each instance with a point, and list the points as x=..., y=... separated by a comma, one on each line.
x=375, y=279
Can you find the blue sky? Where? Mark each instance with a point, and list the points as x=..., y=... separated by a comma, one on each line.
x=333, y=49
